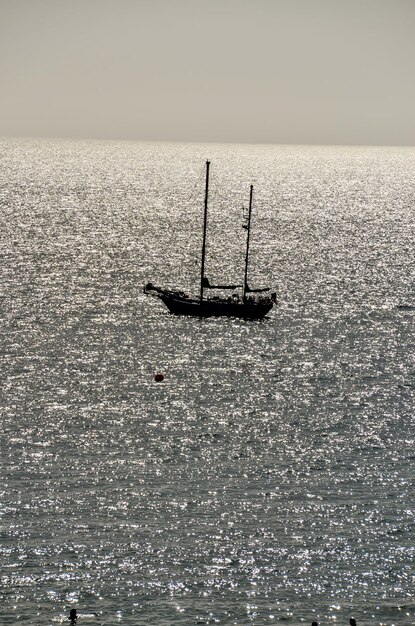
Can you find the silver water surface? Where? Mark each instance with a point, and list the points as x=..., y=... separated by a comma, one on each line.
x=270, y=476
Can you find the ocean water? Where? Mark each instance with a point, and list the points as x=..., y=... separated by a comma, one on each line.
x=270, y=476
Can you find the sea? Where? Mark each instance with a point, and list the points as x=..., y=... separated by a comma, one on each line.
x=270, y=476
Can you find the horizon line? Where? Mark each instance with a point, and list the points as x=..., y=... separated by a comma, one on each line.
x=195, y=142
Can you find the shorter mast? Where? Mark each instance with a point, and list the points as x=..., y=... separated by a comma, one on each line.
x=247, y=245
x=202, y=269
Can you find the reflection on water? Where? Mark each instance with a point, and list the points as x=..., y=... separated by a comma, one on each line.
x=270, y=475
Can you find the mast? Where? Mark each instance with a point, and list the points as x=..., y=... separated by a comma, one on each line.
x=247, y=244
x=202, y=269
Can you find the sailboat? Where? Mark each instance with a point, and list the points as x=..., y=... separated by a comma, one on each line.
x=251, y=304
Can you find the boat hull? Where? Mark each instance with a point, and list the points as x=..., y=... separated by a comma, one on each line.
x=216, y=308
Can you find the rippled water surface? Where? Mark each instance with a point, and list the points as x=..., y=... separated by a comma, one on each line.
x=270, y=476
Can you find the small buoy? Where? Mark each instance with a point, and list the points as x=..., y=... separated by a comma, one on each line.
x=158, y=377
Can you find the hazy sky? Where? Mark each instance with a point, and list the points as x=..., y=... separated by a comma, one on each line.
x=280, y=71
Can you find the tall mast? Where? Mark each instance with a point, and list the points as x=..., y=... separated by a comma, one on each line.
x=247, y=244
x=202, y=270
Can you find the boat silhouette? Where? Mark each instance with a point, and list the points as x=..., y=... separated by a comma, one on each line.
x=251, y=304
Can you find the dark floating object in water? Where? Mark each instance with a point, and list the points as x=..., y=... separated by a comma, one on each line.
x=73, y=616
x=352, y=621
x=251, y=304
x=405, y=307
x=159, y=377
